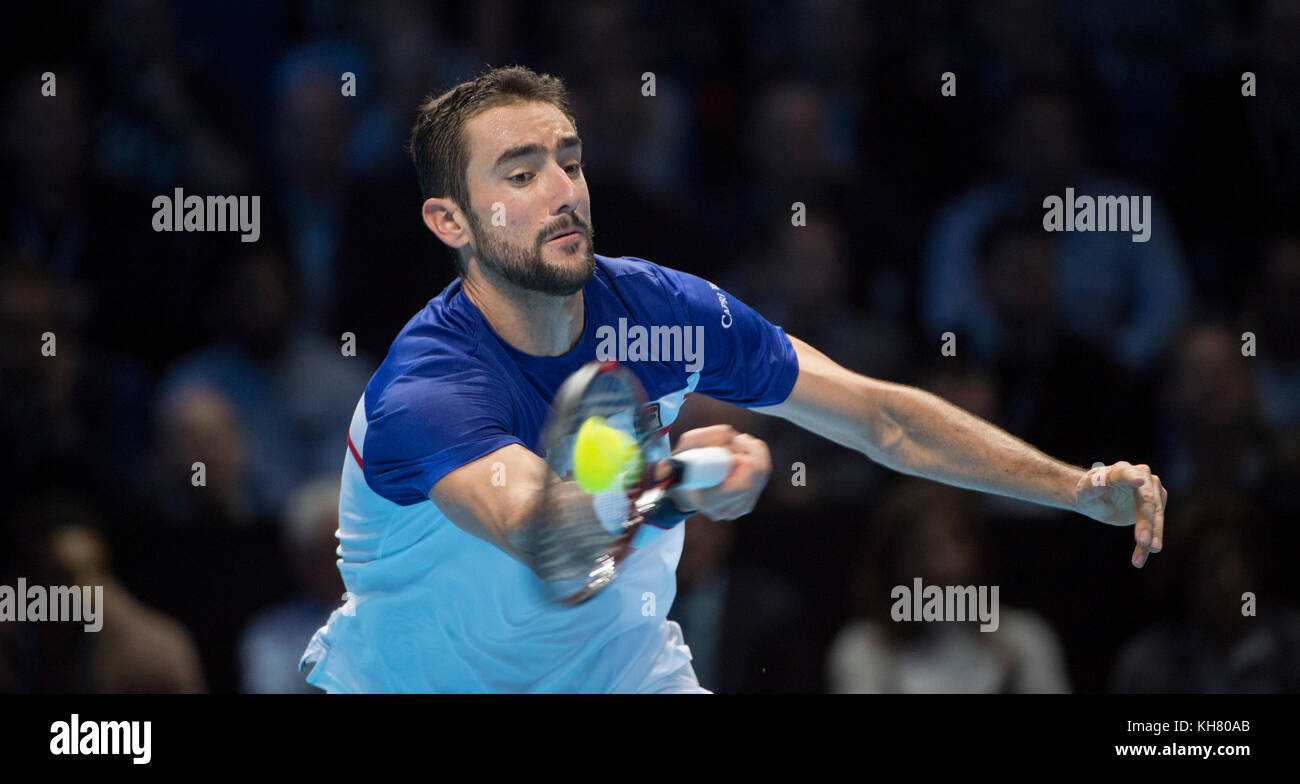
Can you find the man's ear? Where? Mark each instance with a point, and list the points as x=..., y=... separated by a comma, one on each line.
x=445, y=220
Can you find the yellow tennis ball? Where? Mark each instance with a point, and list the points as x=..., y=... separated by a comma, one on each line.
x=600, y=454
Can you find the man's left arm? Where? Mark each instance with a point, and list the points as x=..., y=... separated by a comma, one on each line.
x=915, y=432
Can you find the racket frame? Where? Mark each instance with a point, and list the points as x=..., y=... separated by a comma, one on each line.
x=644, y=495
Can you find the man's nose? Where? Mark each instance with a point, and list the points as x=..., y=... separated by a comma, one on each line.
x=564, y=190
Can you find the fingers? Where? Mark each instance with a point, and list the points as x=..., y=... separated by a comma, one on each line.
x=1148, y=510
x=713, y=435
x=751, y=464
x=1158, y=538
x=751, y=467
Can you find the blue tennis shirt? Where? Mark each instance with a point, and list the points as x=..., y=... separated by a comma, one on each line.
x=431, y=608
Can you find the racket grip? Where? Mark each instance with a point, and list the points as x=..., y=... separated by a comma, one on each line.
x=702, y=467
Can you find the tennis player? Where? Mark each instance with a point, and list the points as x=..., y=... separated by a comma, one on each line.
x=440, y=476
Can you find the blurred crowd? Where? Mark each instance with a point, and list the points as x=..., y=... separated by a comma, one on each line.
x=174, y=406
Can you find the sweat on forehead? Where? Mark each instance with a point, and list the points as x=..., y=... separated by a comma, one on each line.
x=499, y=136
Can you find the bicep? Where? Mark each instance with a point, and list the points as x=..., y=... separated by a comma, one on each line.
x=493, y=496
x=834, y=402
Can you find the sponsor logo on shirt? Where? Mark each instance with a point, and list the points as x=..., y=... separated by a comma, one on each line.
x=722, y=300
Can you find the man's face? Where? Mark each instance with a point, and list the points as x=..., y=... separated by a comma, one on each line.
x=529, y=213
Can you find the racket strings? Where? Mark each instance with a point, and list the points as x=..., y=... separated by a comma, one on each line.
x=582, y=535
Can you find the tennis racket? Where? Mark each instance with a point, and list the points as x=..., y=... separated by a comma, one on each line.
x=579, y=538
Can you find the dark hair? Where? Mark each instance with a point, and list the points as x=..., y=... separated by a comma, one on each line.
x=438, y=146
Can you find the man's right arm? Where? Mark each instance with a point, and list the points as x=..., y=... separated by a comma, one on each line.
x=494, y=497
x=498, y=498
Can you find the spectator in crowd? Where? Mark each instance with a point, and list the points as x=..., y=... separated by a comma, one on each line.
x=293, y=392
x=928, y=533
x=1126, y=298
x=136, y=649
x=273, y=641
x=200, y=460
x=1048, y=380
x=194, y=543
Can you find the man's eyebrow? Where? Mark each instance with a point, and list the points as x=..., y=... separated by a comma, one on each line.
x=523, y=150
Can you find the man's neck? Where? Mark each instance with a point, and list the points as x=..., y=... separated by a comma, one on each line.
x=534, y=323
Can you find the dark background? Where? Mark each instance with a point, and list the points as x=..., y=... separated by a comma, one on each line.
x=924, y=217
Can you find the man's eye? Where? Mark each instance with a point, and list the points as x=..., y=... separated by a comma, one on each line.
x=521, y=178
x=573, y=169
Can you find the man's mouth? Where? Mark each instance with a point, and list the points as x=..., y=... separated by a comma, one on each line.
x=564, y=234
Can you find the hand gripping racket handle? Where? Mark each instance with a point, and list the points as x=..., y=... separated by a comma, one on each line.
x=705, y=466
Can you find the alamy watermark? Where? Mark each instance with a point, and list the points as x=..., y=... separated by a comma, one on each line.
x=946, y=603
x=77, y=603
x=676, y=343
x=213, y=213
x=103, y=737
x=1099, y=213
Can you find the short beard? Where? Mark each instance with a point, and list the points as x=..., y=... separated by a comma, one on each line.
x=527, y=269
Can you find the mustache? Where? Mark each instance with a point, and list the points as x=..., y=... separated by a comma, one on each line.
x=572, y=222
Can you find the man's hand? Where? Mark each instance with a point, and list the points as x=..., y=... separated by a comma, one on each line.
x=736, y=496
x=1125, y=494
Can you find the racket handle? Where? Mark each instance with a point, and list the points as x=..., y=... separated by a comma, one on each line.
x=702, y=467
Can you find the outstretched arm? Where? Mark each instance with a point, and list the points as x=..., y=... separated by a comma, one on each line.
x=915, y=432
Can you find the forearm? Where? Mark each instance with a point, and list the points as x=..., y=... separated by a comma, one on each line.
x=562, y=535
x=918, y=433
